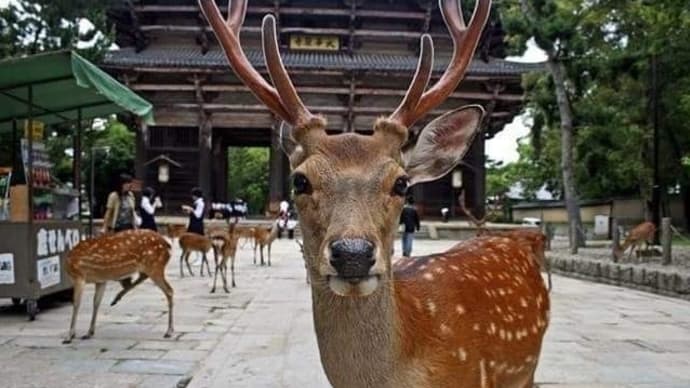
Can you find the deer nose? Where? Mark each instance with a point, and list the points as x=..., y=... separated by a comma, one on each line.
x=352, y=257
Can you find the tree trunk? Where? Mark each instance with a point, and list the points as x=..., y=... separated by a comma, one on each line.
x=567, y=153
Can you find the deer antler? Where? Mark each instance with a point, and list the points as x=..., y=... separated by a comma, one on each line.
x=281, y=99
x=416, y=104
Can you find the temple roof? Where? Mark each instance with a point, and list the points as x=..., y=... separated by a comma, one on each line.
x=192, y=57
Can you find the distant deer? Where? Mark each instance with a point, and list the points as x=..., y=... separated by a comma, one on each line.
x=115, y=257
x=192, y=242
x=245, y=232
x=474, y=316
x=533, y=237
x=643, y=232
x=224, y=248
x=264, y=238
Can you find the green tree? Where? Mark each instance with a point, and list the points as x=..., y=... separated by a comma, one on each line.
x=33, y=26
x=248, y=176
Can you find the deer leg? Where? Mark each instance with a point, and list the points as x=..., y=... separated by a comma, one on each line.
x=255, y=247
x=182, y=264
x=215, y=276
x=76, y=301
x=159, y=279
x=97, y=298
x=269, y=254
x=208, y=265
x=203, y=259
x=232, y=270
x=261, y=254
x=127, y=287
x=189, y=267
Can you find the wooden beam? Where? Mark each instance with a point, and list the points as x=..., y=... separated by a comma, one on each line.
x=318, y=109
x=515, y=79
x=299, y=11
x=352, y=90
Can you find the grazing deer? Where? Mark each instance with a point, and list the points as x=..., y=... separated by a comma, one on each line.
x=117, y=257
x=192, y=242
x=474, y=316
x=264, y=238
x=225, y=246
x=533, y=237
x=643, y=232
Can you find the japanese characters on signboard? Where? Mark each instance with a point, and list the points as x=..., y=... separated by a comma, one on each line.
x=314, y=42
x=52, y=243
x=6, y=268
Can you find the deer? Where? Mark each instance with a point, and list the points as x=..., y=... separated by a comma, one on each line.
x=474, y=316
x=533, y=237
x=264, y=238
x=643, y=232
x=224, y=246
x=193, y=242
x=116, y=257
x=246, y=232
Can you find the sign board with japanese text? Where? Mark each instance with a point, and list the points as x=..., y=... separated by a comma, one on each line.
x=6, y=268
x=48, y=271
x=314, y=42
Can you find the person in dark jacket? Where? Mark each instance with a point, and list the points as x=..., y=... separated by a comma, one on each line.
x=196, y=212
x=410, y=219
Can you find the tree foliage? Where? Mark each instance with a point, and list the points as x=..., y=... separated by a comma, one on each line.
x=33, y=26
x=607, y=48
x=248, y=176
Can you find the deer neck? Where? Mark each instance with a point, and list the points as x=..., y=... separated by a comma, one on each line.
x=357, y=337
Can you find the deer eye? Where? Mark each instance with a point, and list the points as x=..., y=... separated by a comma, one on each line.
x=301, y=184
x=400, y=186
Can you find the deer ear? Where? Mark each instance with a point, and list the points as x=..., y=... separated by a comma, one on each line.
x=442, y=144
x=287, y=143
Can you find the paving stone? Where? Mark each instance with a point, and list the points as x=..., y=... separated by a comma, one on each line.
x=136, y=354
x=154, y=367
x=185, y=355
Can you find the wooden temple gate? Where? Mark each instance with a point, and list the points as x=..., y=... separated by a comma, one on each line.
x=351, y=61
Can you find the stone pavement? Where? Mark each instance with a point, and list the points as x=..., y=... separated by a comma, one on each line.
x=261, y=335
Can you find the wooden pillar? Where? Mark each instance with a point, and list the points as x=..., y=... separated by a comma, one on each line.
x=205, y=153
x=220, y=170
x=276, y=174
x=141, y=141
x=474, y=177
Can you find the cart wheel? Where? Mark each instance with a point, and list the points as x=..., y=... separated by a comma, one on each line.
x=16, y=301
x=31, y=308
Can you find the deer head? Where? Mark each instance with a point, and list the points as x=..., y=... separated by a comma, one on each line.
x=350, y=188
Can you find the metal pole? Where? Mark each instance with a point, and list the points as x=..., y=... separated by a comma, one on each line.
x=656, y=189
x=76, y=165
x=91, y=194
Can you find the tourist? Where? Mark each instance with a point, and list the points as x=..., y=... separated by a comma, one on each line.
x=196, y=212
x=148, y=209
x=120, y=206
x=410, y=221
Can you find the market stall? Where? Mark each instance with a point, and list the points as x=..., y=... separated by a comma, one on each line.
x=40, y=216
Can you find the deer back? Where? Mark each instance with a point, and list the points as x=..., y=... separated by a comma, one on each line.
x=482, y=304
x=114, y=256
x=194, y=242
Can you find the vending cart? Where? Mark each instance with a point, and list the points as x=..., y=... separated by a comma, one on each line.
x=40, y=217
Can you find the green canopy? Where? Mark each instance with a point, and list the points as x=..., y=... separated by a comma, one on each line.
x=61, y=84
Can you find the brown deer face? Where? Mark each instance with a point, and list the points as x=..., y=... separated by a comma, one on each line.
x=350, y=189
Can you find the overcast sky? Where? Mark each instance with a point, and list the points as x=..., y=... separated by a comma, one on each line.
x=504, y=145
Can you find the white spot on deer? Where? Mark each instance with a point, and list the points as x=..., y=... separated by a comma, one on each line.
x=462, y=354
x=431, y=306
x=417, y=303
x=502, y=334
x=439, y=270
x=523, y=302
x=535, y=330
x=501, y=291
x=492, y=328
x=445, y=330
x=482, y=374
x=455, y=268
x=509, y=336
x=475, y=327
x=422, y=267
x=460, y=309
x=530, y=359
x=428, y=276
